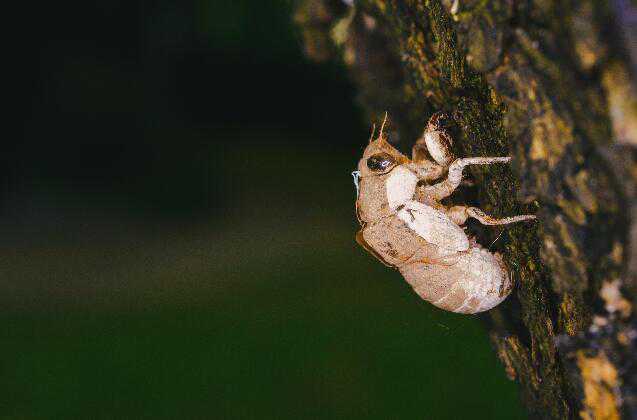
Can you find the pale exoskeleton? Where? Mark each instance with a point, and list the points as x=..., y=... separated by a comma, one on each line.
x=404, y=224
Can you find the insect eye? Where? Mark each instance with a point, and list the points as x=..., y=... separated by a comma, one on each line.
x=380, y=162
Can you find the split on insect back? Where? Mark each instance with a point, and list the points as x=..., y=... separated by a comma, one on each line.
x=405, y=225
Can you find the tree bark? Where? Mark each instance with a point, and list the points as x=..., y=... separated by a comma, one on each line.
x=549, y=83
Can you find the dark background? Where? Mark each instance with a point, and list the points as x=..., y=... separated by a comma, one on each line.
x=178, y=232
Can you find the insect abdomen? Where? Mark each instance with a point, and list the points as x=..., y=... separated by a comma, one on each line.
x=468, y=282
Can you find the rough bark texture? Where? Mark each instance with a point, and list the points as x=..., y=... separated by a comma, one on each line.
x=549, y=83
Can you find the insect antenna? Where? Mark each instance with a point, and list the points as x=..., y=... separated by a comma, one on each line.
x=494, y=241
x=371, y=137
x=382, y=127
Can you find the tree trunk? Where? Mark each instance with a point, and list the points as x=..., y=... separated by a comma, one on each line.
x=550, y=84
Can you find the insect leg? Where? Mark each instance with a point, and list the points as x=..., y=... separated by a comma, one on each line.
x=485, y=219
x=460, y=214
x=435, y=142
x=454, y=178
x=419, y=151
x=427, y=170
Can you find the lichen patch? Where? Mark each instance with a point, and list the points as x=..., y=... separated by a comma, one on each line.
x=550, y=137
x=613, y=299
x=601, y=387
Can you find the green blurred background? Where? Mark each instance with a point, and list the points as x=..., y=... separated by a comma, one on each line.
x=178, y=233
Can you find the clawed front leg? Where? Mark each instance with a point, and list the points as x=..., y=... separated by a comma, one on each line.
x=435, y=142
x=419, y=151
x=460, y=214
x=454, y=178
x=427, y=170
